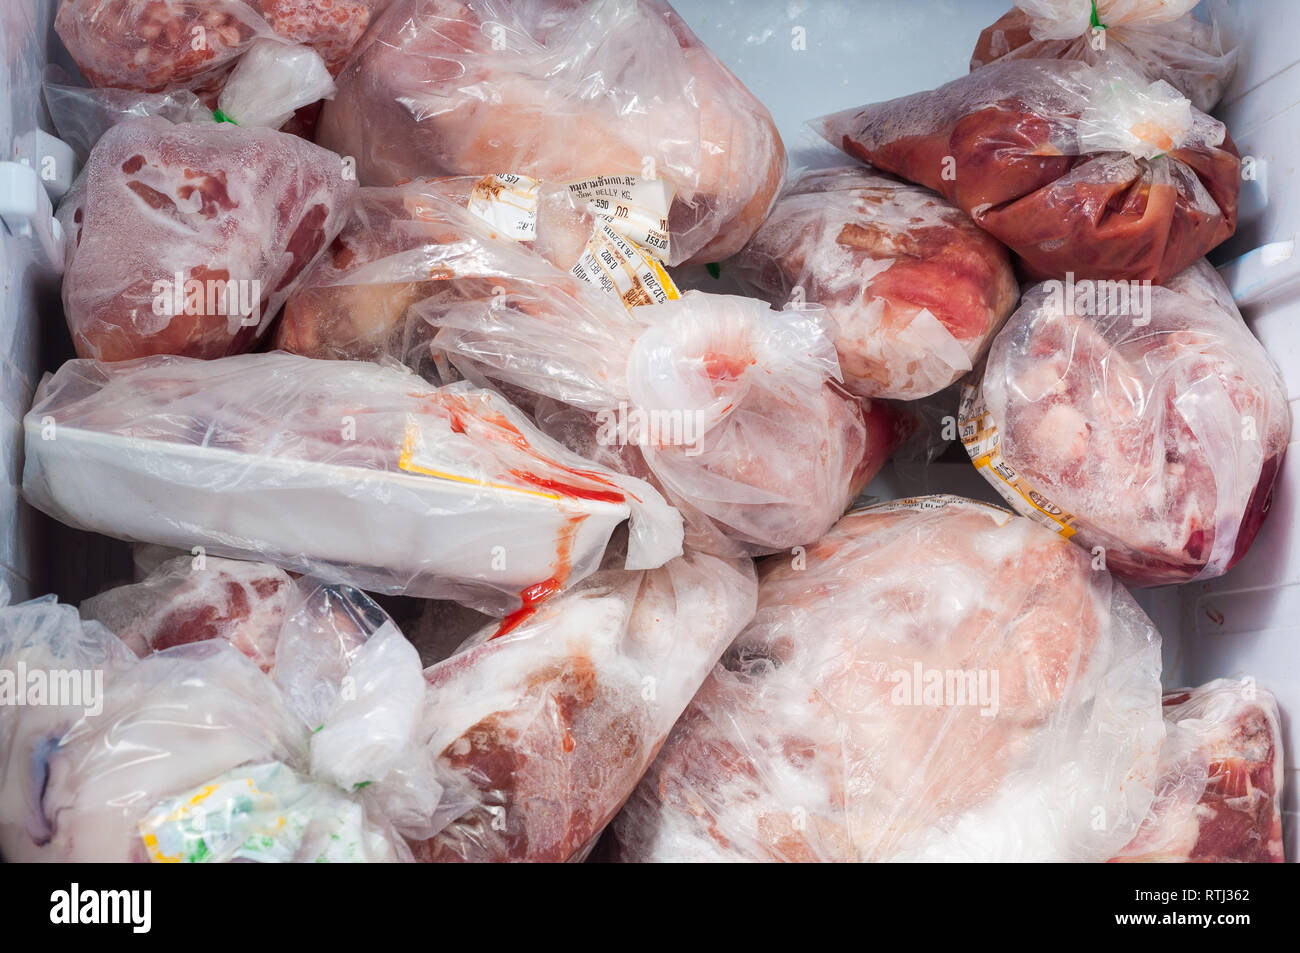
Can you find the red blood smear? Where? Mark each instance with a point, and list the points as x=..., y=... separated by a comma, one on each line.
x=566, y=489
x=534, y=595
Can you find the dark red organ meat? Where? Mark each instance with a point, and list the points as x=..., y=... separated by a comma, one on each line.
x=1069, y=174
x=187, y=238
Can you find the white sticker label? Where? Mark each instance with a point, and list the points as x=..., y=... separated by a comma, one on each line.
x=507, y=202
x=616, y=266
x=637, y=208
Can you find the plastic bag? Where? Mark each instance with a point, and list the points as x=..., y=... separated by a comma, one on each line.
x=1147, y=424
x=937, y=680
x=82, y=115
x=191, y=753
x=1219, y=797
x=158, y=45
x=551, y=718
x=187, y=238
x=915, y=289
x=271, y=82
x=1078, y=169
x=244, y=603
x=570, y=93
x=1158, y=38
x=354, y=472
x=734, y=410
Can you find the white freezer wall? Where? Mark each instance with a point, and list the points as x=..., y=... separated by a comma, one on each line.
x=28, y=294
x=807, y=58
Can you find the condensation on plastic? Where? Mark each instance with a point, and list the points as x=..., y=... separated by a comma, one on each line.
x=1158, y=38
x=561, y=92
x=272, y=81
x=756, y=443
x=134, y=769
x=915, y=289
x=416, y=487
x=817, y=737
x=161, y=45
x=1163, y=438
x=1219, y=797
x=551, y=723
x=1076, y=168
x=187, y=238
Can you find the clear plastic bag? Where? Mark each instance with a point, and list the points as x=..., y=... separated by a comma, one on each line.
x=1158, y=38
x=160, y=45
x=354, y=472
x=936, y=679
x=735, y=411
x=1145, y=423
x=192, y=753
x=551, y=718
x=1219, y=796
x=915, y=289
x=187, y=238
x=562, y=92
x=1080, y=169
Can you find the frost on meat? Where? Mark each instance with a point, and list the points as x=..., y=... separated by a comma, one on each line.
x=552, y=722
x=1219, y=797
x=915, y=289
x=561, y=92
x=187, y=238
x=819, y=736
x=157, y=45
x=1153, y=430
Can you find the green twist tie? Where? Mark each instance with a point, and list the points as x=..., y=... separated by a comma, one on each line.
x=1096, y=19
x=219, y=116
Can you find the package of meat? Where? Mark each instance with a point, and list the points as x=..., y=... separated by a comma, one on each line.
x=1158, y=38
x=734, y=410
x=915, y=289
x=357, y=473
x=193, y=753
x=551, y=718
x=1080, y=169
x=187, y=238
x=1145, y=423
x=1219, y=796
x=244, y=603
x=934, y=679
x=615, y=100
x=157, y=45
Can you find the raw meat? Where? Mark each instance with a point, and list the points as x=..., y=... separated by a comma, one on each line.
x=935, y=679
x=735, y=411
x=563, y=92
x=187, y=238
x=551, y=718
x=157, y=45
x=358, y=473
x=193, y=599
x=1158, y=38
x=1147, y=424
x=1078, y=169
x=916, y=290
x=1219, y=797
x=193, y=754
